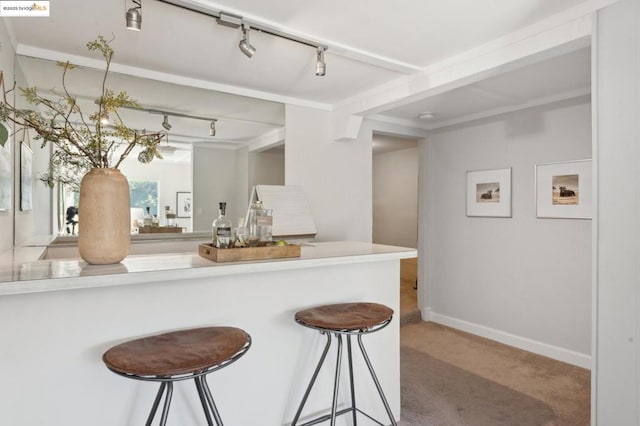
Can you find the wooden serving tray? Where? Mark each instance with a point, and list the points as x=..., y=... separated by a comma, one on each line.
x=247, y=253
x=158, y=229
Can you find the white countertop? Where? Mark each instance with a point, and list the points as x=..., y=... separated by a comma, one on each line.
x=20, y=274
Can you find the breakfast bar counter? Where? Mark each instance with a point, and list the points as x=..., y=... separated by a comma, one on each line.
x=60, y=315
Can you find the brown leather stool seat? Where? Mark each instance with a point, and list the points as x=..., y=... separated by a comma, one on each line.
x=347, y=319
x=345, y=316
x=179, y=355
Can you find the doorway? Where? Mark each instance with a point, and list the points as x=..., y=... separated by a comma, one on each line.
x=395, y=209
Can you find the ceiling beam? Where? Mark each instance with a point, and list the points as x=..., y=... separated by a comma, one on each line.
x=538, y=42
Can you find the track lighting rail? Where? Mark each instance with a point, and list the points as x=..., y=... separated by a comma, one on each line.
x=235, y=21
x=166, y=114
x=174, y=114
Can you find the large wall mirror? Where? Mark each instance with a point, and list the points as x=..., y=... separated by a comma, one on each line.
x=198, y=170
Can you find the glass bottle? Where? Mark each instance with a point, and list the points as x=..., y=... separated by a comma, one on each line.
x=155, y=222
x=222, y=229
x=260, y=223
x=240, y=234
x=253, y=237
x=265, y=222
x=147, y=219
x=170, y=217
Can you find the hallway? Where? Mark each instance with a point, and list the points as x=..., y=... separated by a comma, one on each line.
x=452, y=378
x=408, y=293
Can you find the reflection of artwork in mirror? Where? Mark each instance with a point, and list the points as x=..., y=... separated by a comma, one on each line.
x=5, y=176
x=183, y=204
x=26, y=170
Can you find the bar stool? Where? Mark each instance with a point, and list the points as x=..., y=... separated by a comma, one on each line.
x=347, y=319
x=179, y=355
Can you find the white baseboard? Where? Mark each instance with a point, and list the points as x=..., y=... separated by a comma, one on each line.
x=544, y=349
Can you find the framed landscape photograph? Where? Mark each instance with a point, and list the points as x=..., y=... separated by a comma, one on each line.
x=563, y=190
x=183, y=204
x=489, y=193
x=26, y=170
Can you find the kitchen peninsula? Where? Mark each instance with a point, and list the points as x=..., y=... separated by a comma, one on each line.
x=60, y=315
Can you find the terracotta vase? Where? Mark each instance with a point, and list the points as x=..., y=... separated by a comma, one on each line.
x=104, y=214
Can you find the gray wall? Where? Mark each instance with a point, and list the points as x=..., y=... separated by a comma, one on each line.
x=266, y=167
x=214, y=180
x=395, y=198
x=521, y=280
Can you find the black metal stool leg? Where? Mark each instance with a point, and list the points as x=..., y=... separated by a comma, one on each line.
x=212, y=404
x=167, y=403
x=156, y=402
x=336, y=383
x=375, y=380
x=203, y=400
x=353, y=390
x=313, y=380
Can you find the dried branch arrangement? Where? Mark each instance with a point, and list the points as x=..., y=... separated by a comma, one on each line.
x=82, y=139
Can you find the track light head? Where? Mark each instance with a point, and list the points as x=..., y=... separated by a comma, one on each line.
x=212, y=128
x=245, y=45
x=321, y=66
x=165, y=123
x=134, y=16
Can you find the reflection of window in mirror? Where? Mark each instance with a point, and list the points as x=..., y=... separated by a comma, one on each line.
x=143, y=193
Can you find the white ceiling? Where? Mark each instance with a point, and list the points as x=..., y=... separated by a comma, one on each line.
x=371, y=42
x=561, y=77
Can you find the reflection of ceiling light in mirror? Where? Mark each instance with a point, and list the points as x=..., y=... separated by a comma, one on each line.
x=321, y=66
x=426, y=116
x=165, y=123
x=166, y=150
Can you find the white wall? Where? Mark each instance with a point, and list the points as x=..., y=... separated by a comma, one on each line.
x=215, y=180
x=522, y=280
x=395, y=198
x=241, y=183
x=266, y=168
x=617, y=373
x=52, y=344
x=336, y=176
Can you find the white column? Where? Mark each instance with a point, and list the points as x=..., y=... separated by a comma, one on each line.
x=617, y=99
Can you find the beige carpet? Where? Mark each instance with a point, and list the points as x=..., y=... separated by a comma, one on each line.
x=452, y=378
